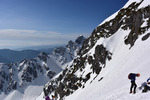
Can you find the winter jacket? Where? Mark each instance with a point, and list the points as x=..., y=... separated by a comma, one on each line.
x=47, y=98
x=53, y=99
x=133, y=76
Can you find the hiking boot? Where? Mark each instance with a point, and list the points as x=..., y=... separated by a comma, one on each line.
x=134, y=92
x=130, y=92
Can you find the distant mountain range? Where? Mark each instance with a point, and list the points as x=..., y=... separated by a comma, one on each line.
x=30, y=75
x=10, y=56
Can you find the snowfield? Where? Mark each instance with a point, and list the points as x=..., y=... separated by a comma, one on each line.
x=30, y=93
x=115, y=84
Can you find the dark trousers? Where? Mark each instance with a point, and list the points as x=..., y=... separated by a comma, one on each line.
x=146, y=88
x=133, y=85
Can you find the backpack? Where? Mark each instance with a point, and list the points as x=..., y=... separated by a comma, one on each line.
x=130, y=76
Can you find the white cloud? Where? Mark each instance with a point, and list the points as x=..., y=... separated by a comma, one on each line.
x=12, y=34
x=22, y=38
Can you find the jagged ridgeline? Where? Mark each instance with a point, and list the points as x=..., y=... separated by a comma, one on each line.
x=77, y=74
x=15, y=76
x=65, y=54
x=27, y=74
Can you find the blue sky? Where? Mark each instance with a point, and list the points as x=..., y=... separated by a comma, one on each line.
x=25, y=23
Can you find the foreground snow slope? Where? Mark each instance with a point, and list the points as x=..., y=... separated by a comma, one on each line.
x=115, y=84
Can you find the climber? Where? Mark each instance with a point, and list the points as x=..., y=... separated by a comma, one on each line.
x=53, y=97
x=47, y=98
x=146, y=86
x=132, y=77
x=46, y=94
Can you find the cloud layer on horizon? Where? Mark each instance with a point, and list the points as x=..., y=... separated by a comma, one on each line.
x=17, y=38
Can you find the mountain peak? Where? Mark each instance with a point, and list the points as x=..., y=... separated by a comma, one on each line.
x=80, y=40
x=64, y=54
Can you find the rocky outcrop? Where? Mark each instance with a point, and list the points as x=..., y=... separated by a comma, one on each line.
x=68, y=81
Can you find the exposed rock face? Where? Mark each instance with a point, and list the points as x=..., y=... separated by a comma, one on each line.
x=134, y=22
x=76, y=75
x=128, y=18
x=68, y=82
x=146, y=36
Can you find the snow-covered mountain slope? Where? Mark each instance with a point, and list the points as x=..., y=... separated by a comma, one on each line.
x=112, y=83
x=65, y=54
x=24, y=80
x=118, y=46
